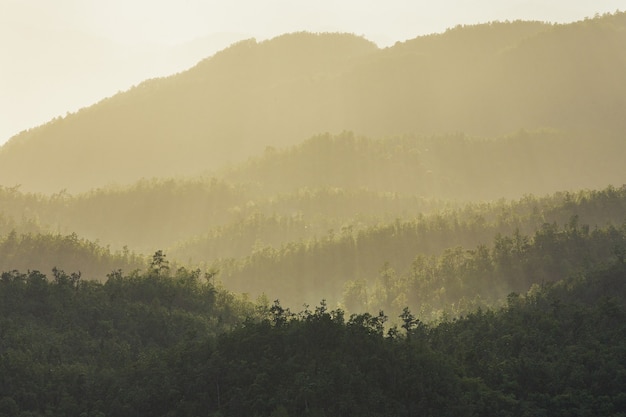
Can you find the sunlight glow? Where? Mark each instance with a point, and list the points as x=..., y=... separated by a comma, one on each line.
x=63, y=55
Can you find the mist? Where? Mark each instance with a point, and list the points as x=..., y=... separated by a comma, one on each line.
x=283, y=209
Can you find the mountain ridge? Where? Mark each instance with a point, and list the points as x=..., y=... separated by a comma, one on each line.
x=486, y=80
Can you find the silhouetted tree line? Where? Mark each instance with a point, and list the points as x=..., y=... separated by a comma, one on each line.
x=163, y=343
x=425, y=265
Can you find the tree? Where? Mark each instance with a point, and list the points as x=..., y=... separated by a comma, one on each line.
x=159, y=264
x=409, y=322
x=8, y=407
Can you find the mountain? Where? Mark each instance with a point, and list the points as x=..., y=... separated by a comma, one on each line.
x=446, y=287
x=450, y=167
x=181, y=124
x=58, y=67
x=485, y=80
x=152, y=215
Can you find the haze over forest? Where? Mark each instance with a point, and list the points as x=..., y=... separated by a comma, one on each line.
x=453, y=206
x=60, y=56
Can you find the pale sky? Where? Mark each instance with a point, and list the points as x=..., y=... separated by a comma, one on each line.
x=57, y=56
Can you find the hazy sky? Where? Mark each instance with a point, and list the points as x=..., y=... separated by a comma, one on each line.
x=60, y=55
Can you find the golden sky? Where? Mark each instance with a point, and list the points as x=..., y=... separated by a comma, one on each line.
x=58, y=56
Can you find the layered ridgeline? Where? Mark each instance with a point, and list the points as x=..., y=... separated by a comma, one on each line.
x=448, y=262
x=152, y=215
x=363, y=250
x=327, y=182
x=407, y=215
x=450, y=167
x=486, y=81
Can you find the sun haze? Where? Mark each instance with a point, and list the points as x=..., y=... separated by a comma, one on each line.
x=60, y=56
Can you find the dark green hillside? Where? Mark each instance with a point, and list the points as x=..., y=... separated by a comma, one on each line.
x=68, y=346
x=485, y=80
x=161, y=344
x=558, y=351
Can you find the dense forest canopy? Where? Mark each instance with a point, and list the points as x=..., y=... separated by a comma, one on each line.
x=314, y=226
x=160, y=343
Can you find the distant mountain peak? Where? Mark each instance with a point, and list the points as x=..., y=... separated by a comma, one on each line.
x=280, y=91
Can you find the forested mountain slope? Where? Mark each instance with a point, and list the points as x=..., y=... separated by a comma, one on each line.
x=452, y=167
x=152, y=215
x=442, y=265
x=486, y=80
x=44, y=252
x=327, y=182
x=161, y=344
x=450, y=260
x=480, y=207
x=354, y=258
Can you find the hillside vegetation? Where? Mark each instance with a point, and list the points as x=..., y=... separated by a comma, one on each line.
x=486, y=80
x=161, y=344
x=450, y=167
x=439, y=263
x=45, y=251
x=152, y=215
x=453, y=208
x=362, y=249
x=327, y=182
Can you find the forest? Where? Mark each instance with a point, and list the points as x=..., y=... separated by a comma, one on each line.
x=163, y=343
x=314, y=226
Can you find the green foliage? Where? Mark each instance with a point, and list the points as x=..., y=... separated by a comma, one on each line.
x=68, y=346
x=556, y=351
x=484, y=307
x=149, y=345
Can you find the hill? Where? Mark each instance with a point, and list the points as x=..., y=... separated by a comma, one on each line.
x=485, y=80
x=444, y=261
x=155, y=344
x=44, y=252
x=343, y=245
x=152, y=215
x=327, y=182
x=445, y=167
x=491, y=300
